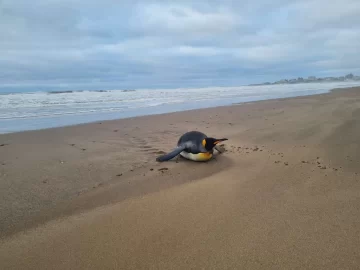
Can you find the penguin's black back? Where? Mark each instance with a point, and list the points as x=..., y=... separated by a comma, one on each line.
x=195, y=137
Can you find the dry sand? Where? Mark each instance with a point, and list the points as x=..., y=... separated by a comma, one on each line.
x=284, y=195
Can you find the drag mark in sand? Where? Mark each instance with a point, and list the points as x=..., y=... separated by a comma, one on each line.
x=144, y=145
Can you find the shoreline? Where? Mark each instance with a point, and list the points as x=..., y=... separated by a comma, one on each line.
x=114, y=118
x=290, y=165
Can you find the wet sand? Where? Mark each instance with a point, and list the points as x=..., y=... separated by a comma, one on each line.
x=284, y=195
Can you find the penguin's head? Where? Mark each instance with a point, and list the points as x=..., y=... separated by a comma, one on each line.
x=209, y=143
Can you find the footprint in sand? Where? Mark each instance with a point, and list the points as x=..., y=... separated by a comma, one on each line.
x=163, y=169
x=303, y=161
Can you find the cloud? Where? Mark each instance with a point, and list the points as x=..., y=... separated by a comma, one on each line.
x=182, y=20
x=149, y=44
x=321, y=13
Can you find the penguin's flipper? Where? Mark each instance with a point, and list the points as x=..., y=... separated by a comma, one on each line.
x=171, y=155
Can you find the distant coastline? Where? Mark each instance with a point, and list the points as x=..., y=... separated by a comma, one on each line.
x=313, y=79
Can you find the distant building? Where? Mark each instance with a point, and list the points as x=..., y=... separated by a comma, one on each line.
x=314, y=79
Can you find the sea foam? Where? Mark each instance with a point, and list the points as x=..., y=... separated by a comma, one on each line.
x=22, y=111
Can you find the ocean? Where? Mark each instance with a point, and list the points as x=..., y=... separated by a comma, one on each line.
x=39, y=110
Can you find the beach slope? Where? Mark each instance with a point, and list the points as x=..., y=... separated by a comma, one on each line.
x=284, y=195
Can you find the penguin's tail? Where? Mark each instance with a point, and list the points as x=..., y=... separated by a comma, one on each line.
x=170, y=155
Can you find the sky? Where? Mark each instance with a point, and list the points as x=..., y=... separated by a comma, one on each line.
x=111, y=44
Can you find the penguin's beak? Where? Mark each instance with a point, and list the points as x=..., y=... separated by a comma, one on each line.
x=220, y=140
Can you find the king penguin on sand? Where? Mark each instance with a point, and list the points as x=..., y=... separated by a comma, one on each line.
x=193, y=145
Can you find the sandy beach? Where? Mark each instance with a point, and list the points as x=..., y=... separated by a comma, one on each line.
x=284, y=195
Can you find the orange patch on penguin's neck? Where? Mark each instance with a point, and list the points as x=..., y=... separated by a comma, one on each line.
x=204, y=142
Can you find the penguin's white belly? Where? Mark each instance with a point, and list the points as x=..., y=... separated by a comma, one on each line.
x=196, y=157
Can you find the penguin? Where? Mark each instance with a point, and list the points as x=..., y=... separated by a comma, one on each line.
x=193, y=145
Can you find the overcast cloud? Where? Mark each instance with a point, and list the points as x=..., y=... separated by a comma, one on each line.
x=88, y=44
